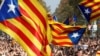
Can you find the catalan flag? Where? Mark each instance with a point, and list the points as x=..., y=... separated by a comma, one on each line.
x=86, y=11
x=68, y=39
x=25, y=21
x=95, y=6
x=60, y=34
x=76, y=35
x=96, y=0
x=67, y=21
x=74, y=18
x=55, y=18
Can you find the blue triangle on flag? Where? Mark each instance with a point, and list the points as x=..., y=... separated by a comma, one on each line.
x=86, y=11
x=74, y=18
x=75, y=36
x=9, y=9
x=66, y=21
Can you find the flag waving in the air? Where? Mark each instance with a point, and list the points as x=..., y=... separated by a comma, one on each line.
x=25, y=21
x=93, y=7
x=55, y=18
x=67, y=21
x=86, y=11
x=75, y=36
x=61, y=32
x=74, y=18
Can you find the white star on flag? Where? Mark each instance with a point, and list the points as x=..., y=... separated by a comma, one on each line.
x=75, y=35
x=87, y=11
x=11, y=7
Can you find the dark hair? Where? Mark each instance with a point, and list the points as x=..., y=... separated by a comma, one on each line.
x=49, y=15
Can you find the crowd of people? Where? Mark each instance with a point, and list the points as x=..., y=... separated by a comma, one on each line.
x=9, y=47
x=85, y=47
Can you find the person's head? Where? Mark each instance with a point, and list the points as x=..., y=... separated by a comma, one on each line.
x=49, y=16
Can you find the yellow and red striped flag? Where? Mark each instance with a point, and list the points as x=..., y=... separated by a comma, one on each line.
x=96, y=0
x=95, y=6
x=60, y=33
x=25, y=21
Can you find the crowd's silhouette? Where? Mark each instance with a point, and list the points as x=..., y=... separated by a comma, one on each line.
x=86, y=47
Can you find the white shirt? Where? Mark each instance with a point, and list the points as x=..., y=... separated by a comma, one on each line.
x=3, y=55
x=94, y=27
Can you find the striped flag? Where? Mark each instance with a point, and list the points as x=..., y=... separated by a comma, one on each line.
x=74, y=18
x=25, y=21
x=60, y=33
x=96, y=0
x=98, y=53
x=95, y=6
x=86, y=11
x=67, y=22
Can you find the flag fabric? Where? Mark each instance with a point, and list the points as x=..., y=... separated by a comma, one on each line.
x=96, y=0
x=86, y=11
x=76, y=35
x=67, y=21
x=98, y=53
x=60, y=34
x=71, y=20
x=26, y=23
x=55, y=18
x=74, y=18
x=95, y=7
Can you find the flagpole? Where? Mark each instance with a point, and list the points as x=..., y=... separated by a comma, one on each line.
x=86, y=23
x=74, y=24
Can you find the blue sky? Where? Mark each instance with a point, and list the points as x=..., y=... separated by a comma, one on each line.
x=53, y=4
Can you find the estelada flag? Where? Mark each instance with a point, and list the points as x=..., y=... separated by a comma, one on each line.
x=25, y=21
